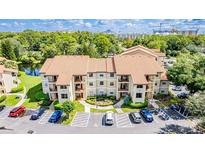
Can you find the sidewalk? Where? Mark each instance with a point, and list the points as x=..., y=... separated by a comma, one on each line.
x=89, y=106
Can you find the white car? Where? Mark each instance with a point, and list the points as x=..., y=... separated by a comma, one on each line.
x=109, y=118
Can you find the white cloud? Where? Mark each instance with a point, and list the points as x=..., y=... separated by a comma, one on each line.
x=87, y=24
x=4, y=24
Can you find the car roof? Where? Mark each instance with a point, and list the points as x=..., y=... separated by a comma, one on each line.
x=136, y=114
x=109, y=115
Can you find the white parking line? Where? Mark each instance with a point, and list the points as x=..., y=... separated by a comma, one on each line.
x=44, y=119
x=81, y=119
x=123, y=120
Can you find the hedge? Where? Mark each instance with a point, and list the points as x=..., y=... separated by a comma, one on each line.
x=2, y=98
x=90, y=101
x=19, y=88
x=57, y=105
x=138, y=105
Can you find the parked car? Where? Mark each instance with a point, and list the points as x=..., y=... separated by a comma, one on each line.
x=136, y=117
x=182, y=95
x=175, y=107
x=37, y=114
x=109, y=118
x=55, y=116
x=17, y=111
x=164, y=116
x=147, y=115
x=2, y=107
x=177, y=88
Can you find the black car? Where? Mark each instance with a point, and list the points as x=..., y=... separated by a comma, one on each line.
x=2, y=107
x=37, y=114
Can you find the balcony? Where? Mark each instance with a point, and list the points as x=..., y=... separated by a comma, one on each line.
x=52, y=79
x=78, y=79
x=53, y=89
x=123, y=79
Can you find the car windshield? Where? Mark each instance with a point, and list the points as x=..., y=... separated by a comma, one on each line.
x=109, y=119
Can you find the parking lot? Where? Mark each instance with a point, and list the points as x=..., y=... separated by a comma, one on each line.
x=90, y=123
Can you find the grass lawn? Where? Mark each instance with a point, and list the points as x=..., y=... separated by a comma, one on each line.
x=128, y=109
x=102, y=110
x=11, y=100
x=78, y=108
x=32, y=105
x=33, y=86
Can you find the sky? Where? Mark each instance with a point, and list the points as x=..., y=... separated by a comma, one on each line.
x=143, y=26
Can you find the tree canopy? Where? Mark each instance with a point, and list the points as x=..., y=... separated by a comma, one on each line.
x=189, y=70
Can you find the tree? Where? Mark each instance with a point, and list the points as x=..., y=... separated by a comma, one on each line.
x=8, y=50
x=68, y=107
x=68, y=46
x=127, y=42
x=102, y=44
x=196, y=104
x=189, y=70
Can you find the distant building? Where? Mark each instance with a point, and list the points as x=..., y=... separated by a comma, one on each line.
x=175, y=32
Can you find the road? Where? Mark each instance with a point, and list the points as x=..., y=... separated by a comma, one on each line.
x=92, y=123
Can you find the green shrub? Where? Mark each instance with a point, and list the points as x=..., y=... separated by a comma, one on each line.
x=19, y=88
x=138, y=105
x=58, y=106
x=89, y=101
x=111, y=97
x=40, y=96
x=2, y=98
x=91, y=97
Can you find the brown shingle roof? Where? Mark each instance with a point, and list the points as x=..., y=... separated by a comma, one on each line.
x=3, y=69
x=142, y=50
x=137, y=67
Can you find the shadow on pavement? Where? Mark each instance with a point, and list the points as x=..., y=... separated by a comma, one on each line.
x=177, y=129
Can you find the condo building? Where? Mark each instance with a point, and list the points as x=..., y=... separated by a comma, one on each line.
x=8, y=78
x=137, y=72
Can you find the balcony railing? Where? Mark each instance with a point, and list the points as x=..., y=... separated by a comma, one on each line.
x=123, y=80
x=123, y=89
x=78, y=89
x=53, y=89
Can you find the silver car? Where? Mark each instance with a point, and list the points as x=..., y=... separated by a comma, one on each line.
x=109, y=118
x=136, y=117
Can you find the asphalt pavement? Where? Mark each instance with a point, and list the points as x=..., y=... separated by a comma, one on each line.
x=93, y=123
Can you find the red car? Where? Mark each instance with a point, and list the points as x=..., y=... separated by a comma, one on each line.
x=17, y=111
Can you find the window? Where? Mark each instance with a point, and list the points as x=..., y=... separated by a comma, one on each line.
x=139, y=86
x=162, y=91
x=1, y=83
x=138, y=95
x=101, y=75
x=63, y=87
x=164, y=83
x=13, y=74
x=111, y=93
x=112, y=75
x=64, y=96
x=90, y=83
x=101, y=83
x=155, y=84
x=90, y=75
x=111, y=83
